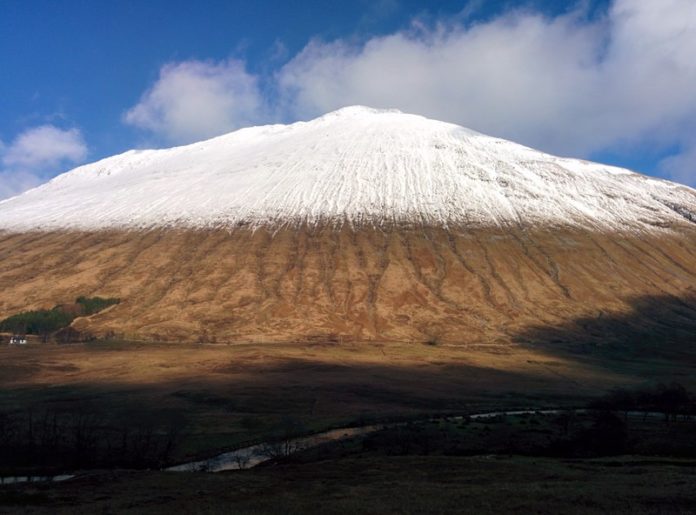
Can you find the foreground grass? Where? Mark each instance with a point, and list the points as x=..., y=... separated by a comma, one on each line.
x=229, y=395
x=381, y=485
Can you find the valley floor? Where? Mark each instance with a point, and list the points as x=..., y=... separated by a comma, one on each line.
x=222, y=396
x=218, y=397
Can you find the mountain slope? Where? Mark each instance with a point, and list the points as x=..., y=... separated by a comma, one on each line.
x=360, y=225
x=355, y=165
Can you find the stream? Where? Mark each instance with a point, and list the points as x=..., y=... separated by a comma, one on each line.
x=248, y=457
x=13, y=480
x=253, y=455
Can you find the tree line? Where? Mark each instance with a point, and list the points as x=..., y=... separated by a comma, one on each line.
x=46, y=322
x=81, y=438
x=671, y=400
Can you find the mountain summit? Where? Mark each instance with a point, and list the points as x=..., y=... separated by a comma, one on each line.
x=356, y=165
x=361, y=225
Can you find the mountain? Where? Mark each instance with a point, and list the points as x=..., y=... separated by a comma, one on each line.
x=360, y=225
x=355, y=166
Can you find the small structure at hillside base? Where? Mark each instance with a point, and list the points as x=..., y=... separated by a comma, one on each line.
x=18, y=339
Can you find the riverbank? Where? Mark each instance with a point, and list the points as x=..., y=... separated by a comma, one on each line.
x=209, y=399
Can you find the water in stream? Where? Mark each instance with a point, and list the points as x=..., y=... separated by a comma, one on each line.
x=14, y=480
x=251, y=456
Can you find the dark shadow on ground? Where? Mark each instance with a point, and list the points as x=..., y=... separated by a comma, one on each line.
x=657, y=327
x=236, y=407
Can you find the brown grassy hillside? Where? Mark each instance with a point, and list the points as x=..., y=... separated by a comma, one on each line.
x=400, y=284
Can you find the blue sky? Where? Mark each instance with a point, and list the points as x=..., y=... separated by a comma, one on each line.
x=610, y=80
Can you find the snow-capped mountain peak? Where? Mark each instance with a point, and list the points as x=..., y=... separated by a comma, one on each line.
x=355, y=165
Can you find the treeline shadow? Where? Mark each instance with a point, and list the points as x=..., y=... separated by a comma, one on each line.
x=42, y=438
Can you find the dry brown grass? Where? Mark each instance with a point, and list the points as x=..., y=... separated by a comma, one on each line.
x=406, y=284
x=133, y=364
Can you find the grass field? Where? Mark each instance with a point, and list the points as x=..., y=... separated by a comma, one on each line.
x=224, y=395
x=381, y=485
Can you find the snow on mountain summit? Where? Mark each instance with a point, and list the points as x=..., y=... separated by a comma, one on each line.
x=355, y=165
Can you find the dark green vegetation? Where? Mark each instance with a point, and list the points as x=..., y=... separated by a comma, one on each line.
x=44, y=322
x=40, y=322
x=91, y=305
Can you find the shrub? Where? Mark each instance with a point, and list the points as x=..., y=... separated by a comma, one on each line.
x=91, y=305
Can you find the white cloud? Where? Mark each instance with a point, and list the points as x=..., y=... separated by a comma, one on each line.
x=618, y=82
x=194, y=100
x=46, y=145
x=35, y=151
x=562, y=84
x=681, y=167
x=15, y=182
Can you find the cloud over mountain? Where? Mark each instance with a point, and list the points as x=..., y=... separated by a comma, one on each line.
x=194, y=100
x=35, y=150
x=564, y=84
x=568, y=84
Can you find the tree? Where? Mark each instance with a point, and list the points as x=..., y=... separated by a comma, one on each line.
x=286, y=441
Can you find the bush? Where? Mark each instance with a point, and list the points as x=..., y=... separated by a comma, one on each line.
x=433, y=342
x=91, y=305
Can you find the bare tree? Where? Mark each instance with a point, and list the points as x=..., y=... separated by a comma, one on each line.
x=285, y=441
